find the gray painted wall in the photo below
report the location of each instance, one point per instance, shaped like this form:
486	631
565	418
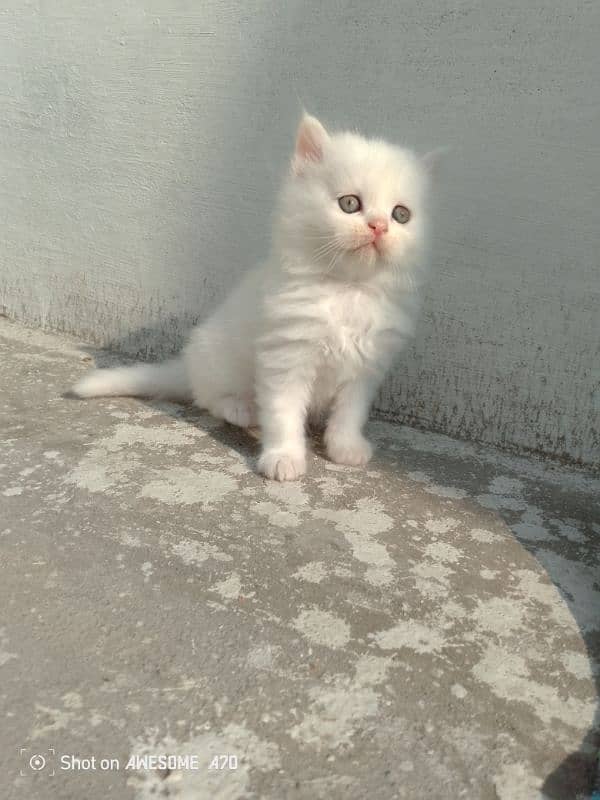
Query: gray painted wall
141	144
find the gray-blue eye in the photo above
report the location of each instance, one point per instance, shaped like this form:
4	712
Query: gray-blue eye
401	214
349	203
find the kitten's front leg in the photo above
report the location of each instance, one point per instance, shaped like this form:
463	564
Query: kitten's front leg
283	403
344	439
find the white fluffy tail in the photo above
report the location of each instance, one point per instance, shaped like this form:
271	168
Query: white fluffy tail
168	379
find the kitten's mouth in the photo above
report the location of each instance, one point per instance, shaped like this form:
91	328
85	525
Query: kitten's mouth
367	246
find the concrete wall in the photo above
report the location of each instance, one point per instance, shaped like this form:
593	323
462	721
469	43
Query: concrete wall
133	135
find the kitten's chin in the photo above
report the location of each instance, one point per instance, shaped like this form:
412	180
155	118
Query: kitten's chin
359	264
369	255
367	247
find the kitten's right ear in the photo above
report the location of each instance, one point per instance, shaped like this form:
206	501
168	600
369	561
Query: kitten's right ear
310	140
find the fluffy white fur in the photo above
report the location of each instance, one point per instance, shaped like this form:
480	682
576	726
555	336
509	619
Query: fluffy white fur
310	333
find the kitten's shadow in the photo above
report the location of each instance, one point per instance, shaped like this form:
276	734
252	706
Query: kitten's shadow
575	776
245	442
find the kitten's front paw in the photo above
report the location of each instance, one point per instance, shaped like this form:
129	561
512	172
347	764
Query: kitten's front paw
351	451
281	466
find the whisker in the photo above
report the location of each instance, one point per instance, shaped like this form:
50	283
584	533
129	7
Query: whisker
323	235
333	262
325	248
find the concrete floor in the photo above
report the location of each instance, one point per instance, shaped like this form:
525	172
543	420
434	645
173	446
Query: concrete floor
428	627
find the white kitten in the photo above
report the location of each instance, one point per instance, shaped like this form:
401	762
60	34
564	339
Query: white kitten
314	329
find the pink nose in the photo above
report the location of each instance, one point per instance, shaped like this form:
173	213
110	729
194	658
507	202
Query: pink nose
378	226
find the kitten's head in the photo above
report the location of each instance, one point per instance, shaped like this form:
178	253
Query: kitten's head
353	206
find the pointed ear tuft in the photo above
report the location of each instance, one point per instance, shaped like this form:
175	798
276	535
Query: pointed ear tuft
431	161
310	140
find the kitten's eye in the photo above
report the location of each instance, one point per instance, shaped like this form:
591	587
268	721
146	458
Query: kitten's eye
349	203
401	214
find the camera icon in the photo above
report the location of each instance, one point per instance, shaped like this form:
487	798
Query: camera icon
36	762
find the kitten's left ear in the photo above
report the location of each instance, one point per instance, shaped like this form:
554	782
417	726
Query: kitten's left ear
310	140
432	160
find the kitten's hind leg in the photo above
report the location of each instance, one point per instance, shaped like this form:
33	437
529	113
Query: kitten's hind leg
236	410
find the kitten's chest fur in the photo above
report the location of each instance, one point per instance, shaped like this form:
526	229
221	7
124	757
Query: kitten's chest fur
346	331
354	318
349	320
